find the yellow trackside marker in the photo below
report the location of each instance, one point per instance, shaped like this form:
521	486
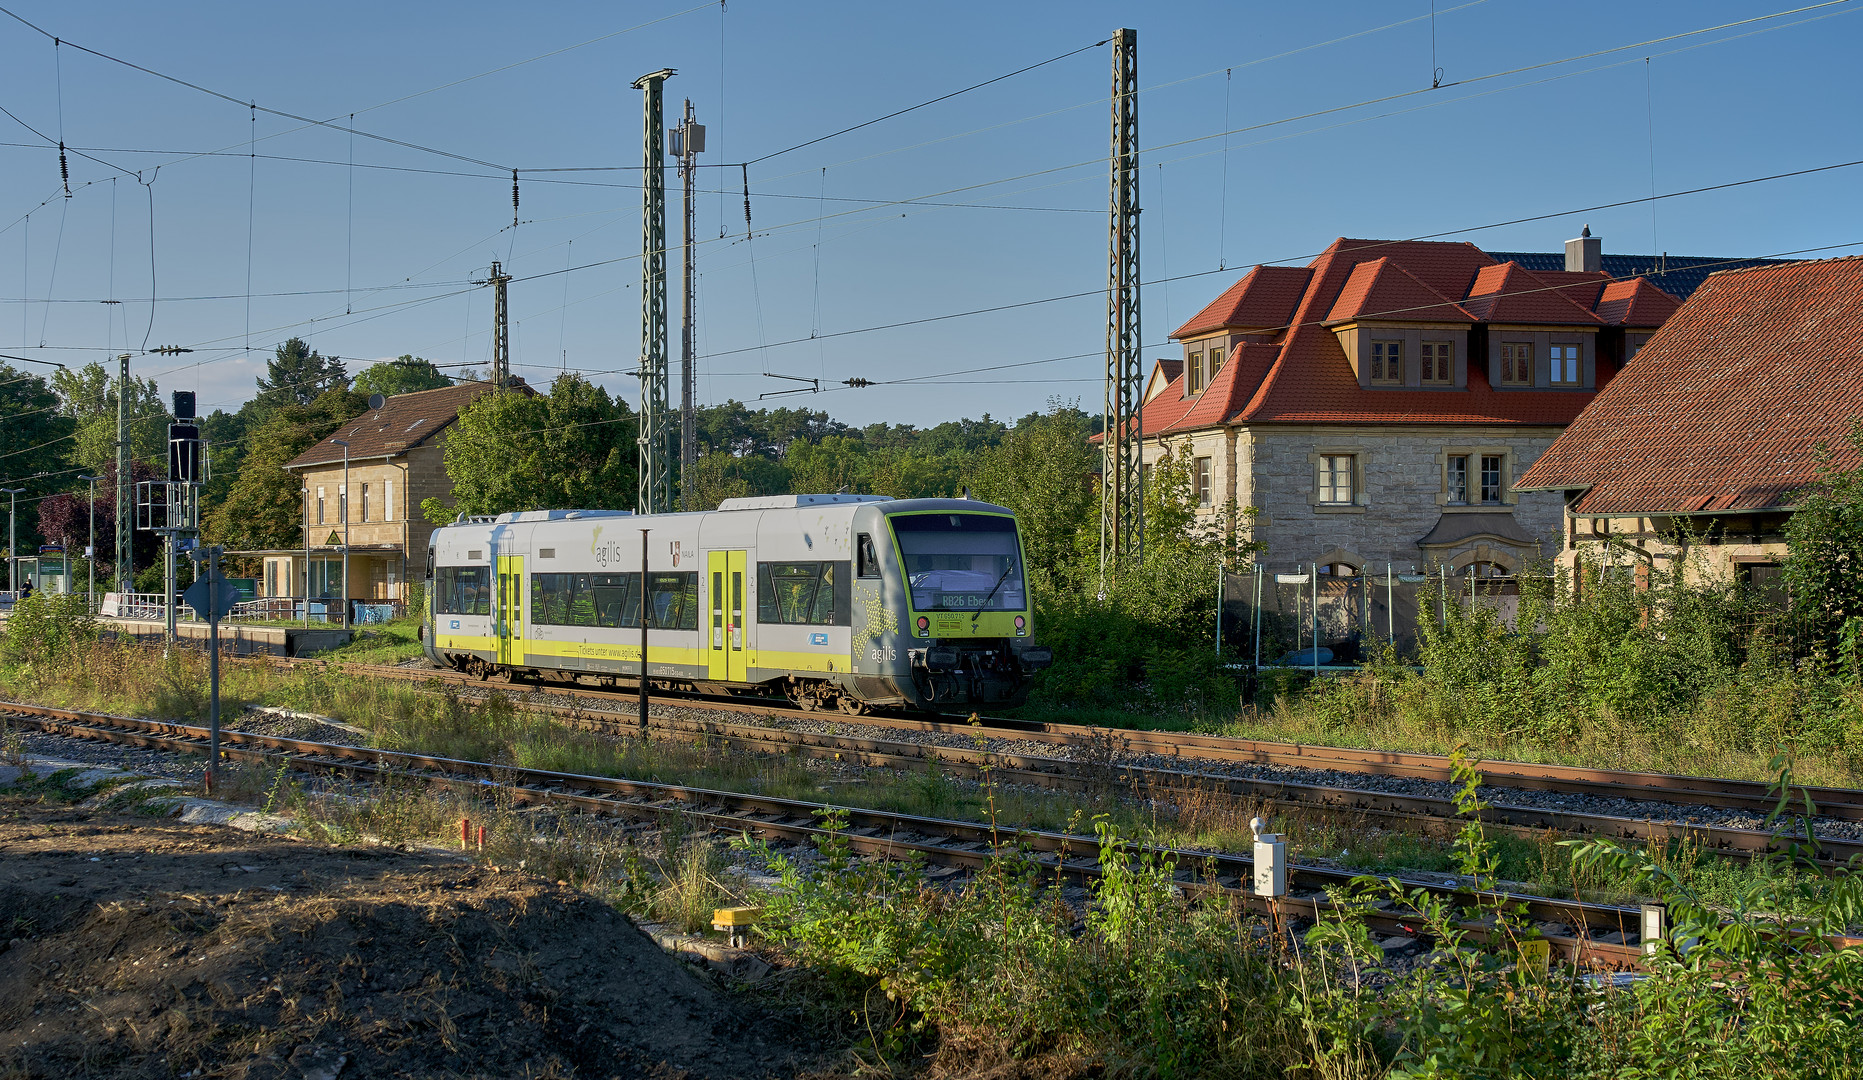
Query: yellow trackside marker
1536	955
735	922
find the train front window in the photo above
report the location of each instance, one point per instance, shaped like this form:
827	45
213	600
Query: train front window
961	562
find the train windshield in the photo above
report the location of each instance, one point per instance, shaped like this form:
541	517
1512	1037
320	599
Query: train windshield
961	562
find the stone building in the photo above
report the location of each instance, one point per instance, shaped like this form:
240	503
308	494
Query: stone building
1377	405
1706	441
396	460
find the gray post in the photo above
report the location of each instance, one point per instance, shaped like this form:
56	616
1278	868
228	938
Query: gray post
213	663
307	539
168	578
90	552
1219	609
12	556
1315	567
1259	578
643	632
1390	603
343	501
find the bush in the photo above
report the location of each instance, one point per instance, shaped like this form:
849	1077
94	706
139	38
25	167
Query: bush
43	627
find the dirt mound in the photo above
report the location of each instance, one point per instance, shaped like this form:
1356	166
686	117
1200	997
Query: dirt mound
143	948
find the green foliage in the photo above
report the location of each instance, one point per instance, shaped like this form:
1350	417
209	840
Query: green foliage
572	447
297	375
1824	569
406	374
88	396
1043	470
44	626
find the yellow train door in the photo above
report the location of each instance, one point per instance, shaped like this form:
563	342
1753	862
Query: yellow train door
510	620
725	586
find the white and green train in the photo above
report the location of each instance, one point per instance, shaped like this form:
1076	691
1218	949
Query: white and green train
833	601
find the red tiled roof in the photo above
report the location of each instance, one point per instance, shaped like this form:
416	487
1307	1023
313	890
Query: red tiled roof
1636	303
1228	391
402	423
1162	373
1311	382
1726	407
1383	290
1509	293
1264	299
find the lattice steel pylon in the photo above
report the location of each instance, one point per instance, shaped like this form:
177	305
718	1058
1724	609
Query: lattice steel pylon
656	430
501	329
1122	483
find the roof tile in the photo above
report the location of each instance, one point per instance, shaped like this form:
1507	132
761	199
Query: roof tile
1727	406
403	421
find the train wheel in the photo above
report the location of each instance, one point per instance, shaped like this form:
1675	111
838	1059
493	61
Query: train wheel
851	706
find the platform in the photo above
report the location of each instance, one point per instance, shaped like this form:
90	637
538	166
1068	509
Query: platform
243	640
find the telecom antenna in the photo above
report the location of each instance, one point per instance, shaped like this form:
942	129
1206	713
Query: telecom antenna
1122	484
501	329
688	144
656	479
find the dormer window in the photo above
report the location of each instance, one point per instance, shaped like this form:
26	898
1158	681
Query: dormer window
1193	373
1387	363
1438	363
1516	363
1567	365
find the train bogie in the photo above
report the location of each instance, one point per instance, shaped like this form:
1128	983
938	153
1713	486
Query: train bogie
834	601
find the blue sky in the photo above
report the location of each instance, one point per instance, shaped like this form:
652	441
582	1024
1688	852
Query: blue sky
850	232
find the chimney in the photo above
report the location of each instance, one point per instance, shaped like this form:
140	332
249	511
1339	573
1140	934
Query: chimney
1585	254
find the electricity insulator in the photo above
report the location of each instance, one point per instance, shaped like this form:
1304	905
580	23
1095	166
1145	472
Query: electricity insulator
64	169
856	382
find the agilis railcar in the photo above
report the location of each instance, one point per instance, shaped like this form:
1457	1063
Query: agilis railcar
833	601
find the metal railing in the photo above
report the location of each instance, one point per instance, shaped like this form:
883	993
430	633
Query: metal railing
276	609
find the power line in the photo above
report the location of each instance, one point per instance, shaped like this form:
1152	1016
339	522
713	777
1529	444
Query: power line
923	104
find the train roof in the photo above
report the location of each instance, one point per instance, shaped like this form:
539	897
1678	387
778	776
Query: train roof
758	502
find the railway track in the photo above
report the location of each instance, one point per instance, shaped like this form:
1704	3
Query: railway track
1844	804
939	842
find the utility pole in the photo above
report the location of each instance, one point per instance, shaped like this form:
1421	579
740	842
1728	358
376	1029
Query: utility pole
1122	490
656	486
125	515
501	335
688	144
90	550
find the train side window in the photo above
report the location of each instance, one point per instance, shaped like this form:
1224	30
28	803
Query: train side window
869	558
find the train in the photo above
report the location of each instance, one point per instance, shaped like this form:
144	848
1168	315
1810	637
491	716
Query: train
835	602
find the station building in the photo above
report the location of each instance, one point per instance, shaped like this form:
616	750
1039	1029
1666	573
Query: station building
1378	405
396	459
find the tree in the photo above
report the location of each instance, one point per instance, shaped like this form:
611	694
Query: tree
571	448
298	375
34	437
1823	569
264	507
89	395
1043	470
67	516
405	374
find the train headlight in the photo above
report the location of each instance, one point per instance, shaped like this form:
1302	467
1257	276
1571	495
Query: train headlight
1022	626
925	626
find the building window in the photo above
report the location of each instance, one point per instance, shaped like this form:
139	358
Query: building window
1336	479
342	505
320	506
1203	481
1193	373
1491	479
1516	363
1566	369
1217	356
365	502
1438	363
388	500
1339	569
1387	362
1458	480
